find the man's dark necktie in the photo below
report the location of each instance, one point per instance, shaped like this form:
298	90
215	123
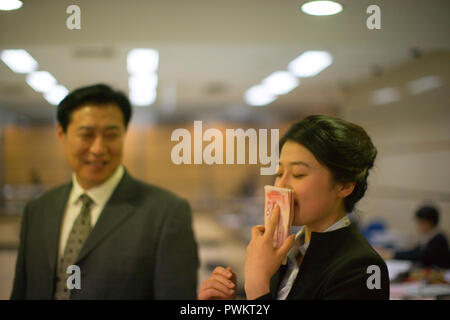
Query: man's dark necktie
80	231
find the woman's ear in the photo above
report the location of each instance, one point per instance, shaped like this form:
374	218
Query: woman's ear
345	188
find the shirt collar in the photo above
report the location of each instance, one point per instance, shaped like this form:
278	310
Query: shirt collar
99	194
299	243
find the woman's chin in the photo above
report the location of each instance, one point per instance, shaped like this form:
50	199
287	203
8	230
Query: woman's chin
297	220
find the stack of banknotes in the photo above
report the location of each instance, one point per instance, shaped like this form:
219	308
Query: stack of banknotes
285	200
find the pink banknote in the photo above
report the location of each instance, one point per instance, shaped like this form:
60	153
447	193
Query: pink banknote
285	200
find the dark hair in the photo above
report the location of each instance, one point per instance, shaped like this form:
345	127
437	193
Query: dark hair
428	213
99	94
343	147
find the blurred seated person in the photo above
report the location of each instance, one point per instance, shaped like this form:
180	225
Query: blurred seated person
432	249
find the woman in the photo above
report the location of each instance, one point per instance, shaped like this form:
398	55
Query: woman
326	161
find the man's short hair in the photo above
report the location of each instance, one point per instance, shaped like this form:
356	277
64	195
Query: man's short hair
428	213
99	94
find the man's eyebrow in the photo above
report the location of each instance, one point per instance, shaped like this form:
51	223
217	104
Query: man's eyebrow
85	128
112	127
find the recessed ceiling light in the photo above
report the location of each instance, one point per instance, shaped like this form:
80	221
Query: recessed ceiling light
143	82
8	5
280	82
41	81
385	96
141	98
19	61
424	84
142	61
310	63
143	89
258	96
321	8
56	94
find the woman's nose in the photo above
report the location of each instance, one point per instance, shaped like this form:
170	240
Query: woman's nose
283	182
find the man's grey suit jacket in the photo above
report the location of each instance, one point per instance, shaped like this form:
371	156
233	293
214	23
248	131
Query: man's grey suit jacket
142	246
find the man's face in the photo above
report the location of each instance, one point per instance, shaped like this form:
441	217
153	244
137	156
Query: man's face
424	226
93	142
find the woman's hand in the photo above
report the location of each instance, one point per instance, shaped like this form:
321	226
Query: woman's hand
262	260
221	285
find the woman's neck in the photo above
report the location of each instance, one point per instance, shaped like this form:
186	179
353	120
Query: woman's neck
323	224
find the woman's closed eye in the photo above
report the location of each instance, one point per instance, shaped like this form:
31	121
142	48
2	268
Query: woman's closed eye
296	176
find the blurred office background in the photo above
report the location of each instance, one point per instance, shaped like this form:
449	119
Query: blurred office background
392	81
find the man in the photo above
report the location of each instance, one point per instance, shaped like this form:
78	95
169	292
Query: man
128	239
432	249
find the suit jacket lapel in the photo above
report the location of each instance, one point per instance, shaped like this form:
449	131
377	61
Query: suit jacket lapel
275	280
53	216
116	210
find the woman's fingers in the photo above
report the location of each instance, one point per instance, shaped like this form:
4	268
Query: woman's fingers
224	281
230	270
221	284
273	221
213	287
227	273
286	246
257	231
212	293
233	275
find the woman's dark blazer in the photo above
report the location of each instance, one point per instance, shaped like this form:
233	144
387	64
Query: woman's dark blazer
338	264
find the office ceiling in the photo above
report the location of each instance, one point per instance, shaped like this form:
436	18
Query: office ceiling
212	51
